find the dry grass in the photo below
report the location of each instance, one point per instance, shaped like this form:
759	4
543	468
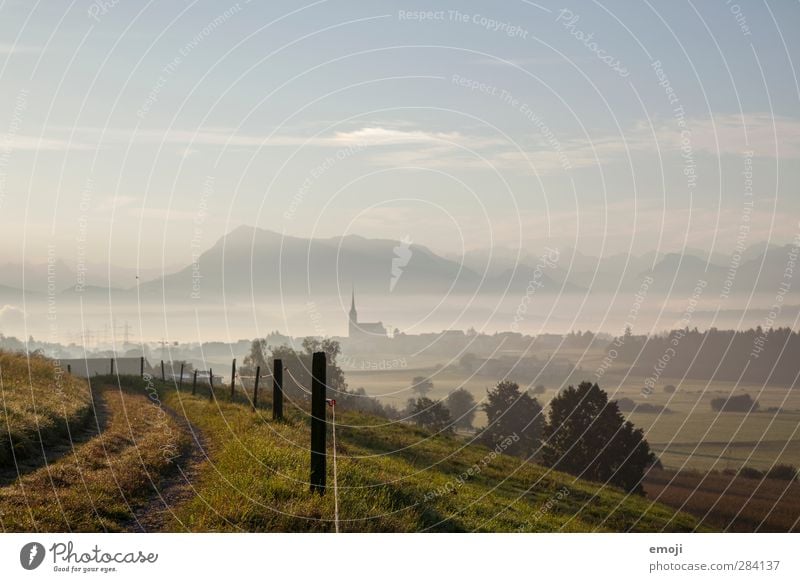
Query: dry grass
39	405
729	502
95	486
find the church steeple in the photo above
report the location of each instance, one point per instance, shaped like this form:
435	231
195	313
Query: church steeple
353	327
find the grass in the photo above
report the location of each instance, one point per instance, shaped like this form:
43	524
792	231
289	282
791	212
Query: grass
39	405
728	501
97	485
392	477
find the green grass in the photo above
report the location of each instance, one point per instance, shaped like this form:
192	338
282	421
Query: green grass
39	405
390	479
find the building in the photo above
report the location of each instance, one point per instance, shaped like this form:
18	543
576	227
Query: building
363	330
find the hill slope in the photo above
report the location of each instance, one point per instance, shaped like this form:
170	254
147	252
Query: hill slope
391	477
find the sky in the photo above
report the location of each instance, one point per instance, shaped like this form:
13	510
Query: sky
136	133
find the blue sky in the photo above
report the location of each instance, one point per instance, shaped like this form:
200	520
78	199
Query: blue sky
133	132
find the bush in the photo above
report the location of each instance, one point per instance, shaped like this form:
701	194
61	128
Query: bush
782	472
669	389
750	473
628	405
540	389
743	403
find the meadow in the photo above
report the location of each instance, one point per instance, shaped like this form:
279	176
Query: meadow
39	405
391	477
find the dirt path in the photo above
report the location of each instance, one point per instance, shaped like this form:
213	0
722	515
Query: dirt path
117	478
174	488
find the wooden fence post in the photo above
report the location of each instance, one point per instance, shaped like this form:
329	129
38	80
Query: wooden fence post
318	453
180	382
69	368
233	378
163	375
194	383
210	384
112	366
141	366
255	387
277	390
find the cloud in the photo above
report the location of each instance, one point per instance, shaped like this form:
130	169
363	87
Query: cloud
12	49
726	134
14	142
766	135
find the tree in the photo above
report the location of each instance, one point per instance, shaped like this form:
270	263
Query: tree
587	436
468	361
259	351
421	386
539	389
461	405
297	365
432	414
510	412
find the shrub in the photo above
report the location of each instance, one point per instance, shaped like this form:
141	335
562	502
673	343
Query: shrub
751	473
669	389
782	472
742	403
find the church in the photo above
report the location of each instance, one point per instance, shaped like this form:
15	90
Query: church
363	330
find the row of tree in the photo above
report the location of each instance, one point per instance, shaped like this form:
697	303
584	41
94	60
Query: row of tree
753	355
583	432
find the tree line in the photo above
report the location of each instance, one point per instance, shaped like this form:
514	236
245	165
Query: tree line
753	355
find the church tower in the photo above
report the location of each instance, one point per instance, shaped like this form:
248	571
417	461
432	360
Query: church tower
353	328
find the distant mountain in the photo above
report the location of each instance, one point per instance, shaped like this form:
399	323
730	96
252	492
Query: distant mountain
253	260
258	262
33	277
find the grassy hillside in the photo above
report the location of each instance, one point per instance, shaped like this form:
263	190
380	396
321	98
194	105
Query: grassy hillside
39	405
391	478
100	484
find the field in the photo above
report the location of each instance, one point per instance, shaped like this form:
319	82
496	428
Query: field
39	405
690	436
729	502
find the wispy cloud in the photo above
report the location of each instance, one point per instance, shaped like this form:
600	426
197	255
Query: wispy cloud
398	144
11	49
